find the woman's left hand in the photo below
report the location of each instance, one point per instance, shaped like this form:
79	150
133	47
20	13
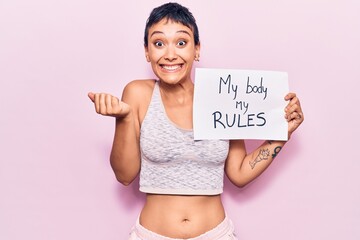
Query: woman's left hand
293	112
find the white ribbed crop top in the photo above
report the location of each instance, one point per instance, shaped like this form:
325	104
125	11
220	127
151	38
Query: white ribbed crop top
172	162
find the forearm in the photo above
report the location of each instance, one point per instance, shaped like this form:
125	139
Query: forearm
242	168
259	160
125	153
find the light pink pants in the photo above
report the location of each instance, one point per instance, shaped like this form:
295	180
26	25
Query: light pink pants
223	231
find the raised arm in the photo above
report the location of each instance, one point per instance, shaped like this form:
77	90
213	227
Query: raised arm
125	153
242	168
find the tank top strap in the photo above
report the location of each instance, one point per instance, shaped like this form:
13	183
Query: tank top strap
156	97
155	109
156	91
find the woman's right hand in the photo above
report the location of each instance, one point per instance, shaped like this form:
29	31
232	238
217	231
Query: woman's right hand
108	105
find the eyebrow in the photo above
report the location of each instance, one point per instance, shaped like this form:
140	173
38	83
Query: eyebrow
180	31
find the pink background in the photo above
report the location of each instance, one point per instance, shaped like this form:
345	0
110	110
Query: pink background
55	179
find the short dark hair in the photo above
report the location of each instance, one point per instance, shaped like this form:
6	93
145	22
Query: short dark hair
174	12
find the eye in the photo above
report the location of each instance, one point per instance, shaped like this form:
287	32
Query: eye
159	44
182	43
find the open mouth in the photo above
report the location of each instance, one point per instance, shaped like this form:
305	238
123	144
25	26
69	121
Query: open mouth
171	68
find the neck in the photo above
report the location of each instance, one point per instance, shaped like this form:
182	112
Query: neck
180	93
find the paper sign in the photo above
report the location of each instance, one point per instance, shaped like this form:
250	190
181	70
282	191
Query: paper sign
240	104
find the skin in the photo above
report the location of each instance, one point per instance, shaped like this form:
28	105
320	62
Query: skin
171	53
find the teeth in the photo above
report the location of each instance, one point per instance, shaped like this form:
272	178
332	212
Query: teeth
171	68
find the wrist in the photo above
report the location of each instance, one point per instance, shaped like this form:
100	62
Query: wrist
127	118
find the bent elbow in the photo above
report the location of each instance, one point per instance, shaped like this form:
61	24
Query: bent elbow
240	183
123	181
125	170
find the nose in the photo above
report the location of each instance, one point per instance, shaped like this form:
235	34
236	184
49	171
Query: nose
170	53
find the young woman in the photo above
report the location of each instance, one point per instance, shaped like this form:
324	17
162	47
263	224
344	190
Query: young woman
183	179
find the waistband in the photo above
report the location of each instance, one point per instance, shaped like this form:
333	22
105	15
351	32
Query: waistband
225	230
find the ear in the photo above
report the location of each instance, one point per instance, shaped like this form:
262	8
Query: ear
147	53
197	52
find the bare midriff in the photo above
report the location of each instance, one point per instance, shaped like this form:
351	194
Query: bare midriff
183	217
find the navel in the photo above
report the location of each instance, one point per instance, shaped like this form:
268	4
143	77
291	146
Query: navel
185	220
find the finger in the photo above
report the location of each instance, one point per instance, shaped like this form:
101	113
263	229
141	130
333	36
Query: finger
290	110
298	116
102	104
290	96
115	103
295	115
91	96
108	105
97	103
293	101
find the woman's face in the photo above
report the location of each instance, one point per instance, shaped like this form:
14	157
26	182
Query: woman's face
171	51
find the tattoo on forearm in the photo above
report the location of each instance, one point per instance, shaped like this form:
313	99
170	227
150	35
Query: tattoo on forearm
263	155
276	151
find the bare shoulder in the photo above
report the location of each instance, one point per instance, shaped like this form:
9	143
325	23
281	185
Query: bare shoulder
139	86
138	90
137	94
